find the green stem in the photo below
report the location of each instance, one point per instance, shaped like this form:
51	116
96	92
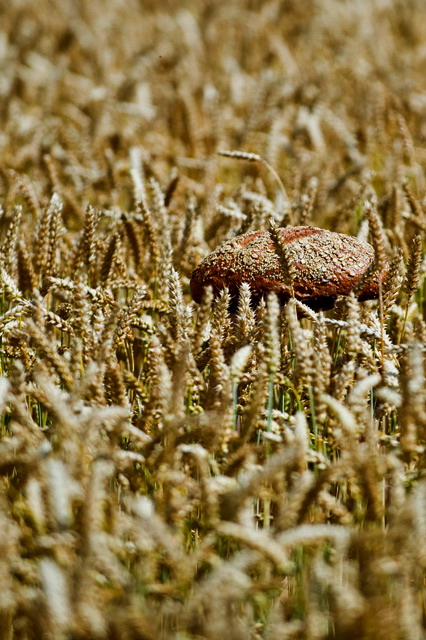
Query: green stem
313	414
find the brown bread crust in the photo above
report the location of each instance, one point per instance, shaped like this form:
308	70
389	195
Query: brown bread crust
327	265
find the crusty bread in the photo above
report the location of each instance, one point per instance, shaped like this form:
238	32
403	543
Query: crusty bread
327	265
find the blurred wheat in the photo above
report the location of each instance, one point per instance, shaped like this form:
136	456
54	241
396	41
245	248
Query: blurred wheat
176	471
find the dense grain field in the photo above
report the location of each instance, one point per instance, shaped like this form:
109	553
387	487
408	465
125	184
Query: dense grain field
180	471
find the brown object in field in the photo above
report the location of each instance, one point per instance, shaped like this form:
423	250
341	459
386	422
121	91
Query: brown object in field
326	265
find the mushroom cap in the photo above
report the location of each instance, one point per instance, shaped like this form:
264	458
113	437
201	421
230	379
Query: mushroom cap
327	265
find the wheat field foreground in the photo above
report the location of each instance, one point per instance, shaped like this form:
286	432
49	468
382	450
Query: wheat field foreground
230	469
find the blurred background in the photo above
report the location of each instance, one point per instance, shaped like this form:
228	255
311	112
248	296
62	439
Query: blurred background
320	88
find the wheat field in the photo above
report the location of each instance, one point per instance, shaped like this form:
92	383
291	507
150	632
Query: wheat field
180	471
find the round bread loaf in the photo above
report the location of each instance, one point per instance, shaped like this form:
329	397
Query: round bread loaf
327	265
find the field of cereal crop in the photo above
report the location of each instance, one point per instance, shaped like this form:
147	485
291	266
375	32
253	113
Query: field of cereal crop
237	468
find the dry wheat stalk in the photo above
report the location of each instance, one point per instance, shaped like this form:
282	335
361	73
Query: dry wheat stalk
254	471
288	268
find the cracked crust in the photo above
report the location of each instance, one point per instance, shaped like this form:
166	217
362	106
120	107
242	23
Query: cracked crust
328	265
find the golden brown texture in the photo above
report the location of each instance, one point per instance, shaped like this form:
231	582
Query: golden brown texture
169	471
327	265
